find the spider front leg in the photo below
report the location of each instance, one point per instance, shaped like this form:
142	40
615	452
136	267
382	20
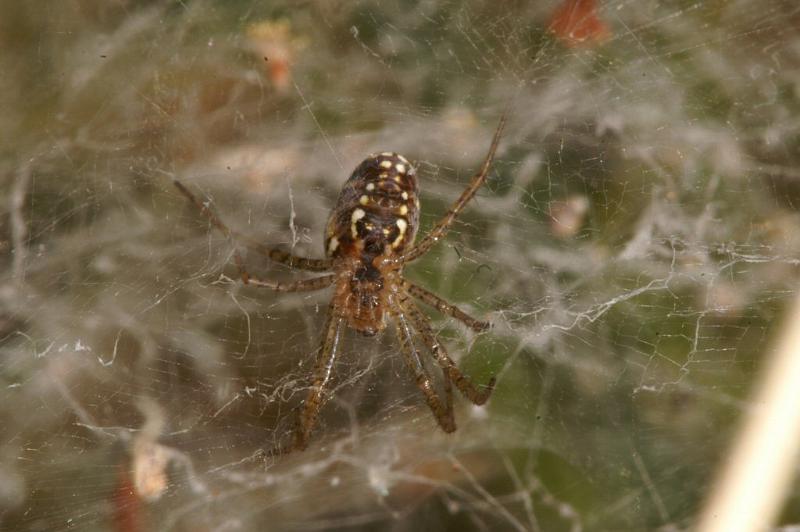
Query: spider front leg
274	254
464	385
329	347
431	299
440	229
442	412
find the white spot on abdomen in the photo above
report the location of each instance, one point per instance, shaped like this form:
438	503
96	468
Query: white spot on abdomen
332	245
357	215
402	225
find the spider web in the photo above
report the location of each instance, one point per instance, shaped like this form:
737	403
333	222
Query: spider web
634	247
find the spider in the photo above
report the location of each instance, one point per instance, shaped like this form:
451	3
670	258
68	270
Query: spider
369	239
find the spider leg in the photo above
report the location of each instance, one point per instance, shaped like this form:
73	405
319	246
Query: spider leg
431	299
274	254
440	229
448	398
304	285
442	412
329	347
464	385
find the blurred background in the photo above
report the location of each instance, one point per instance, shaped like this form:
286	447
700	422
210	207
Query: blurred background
635	249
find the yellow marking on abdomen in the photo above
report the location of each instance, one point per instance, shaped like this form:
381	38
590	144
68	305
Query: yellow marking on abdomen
402	225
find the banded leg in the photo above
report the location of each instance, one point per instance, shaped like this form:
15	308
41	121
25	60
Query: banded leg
274	254
303	285
441	228
464	385
442	412
326	356
431	299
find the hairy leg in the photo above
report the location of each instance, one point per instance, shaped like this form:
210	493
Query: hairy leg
440	229
431	299
304	285
326	356
276	255
464	385
442	412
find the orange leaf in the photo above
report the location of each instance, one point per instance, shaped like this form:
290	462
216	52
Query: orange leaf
576	23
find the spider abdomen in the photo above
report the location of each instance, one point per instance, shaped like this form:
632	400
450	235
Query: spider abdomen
375	218
377	212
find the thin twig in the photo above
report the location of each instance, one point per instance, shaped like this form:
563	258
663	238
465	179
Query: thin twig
758	472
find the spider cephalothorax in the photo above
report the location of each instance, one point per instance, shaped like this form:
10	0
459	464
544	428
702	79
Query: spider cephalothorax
369	238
